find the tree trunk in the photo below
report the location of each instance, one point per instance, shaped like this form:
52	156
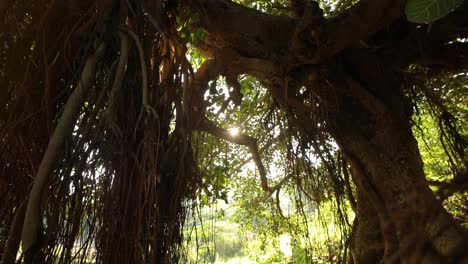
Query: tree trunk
365	241
372	128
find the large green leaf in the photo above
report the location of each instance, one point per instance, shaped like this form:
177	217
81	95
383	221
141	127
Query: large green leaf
425	11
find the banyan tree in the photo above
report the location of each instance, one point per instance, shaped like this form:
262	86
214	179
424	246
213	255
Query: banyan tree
100	103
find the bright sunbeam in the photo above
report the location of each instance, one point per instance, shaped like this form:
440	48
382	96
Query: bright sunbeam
234	131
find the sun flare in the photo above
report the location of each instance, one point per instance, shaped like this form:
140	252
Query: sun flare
234	131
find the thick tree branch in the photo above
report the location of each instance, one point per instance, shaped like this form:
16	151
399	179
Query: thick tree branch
262	149
451	56
427	45
259	35
420	49
358	23
247	31
241	139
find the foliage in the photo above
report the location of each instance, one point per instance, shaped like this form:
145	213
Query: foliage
426	11
212	236
277	7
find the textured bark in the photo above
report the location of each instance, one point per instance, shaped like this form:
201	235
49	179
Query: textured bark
381	141
366	242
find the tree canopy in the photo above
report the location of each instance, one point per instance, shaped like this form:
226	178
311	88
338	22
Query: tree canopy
119	120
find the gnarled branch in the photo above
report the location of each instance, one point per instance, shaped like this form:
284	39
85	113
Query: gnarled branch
241	139
245	140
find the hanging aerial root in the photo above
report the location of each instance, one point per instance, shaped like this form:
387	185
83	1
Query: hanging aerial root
33	219
118	80
12	245
144	74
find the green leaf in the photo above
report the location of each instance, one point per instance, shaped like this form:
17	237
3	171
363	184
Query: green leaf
199	34
426	11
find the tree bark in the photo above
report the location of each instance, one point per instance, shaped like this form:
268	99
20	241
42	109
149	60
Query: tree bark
366	244
380	141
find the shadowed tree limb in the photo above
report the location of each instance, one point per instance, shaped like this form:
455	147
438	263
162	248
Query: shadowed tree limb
451	56
270	35
358	23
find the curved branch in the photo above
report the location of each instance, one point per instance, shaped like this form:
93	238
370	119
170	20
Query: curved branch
245	140
64	128
451	56
241	139
275	188
278	206
358	23
259	35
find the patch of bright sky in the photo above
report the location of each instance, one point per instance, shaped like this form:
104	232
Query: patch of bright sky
234	131
93	174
